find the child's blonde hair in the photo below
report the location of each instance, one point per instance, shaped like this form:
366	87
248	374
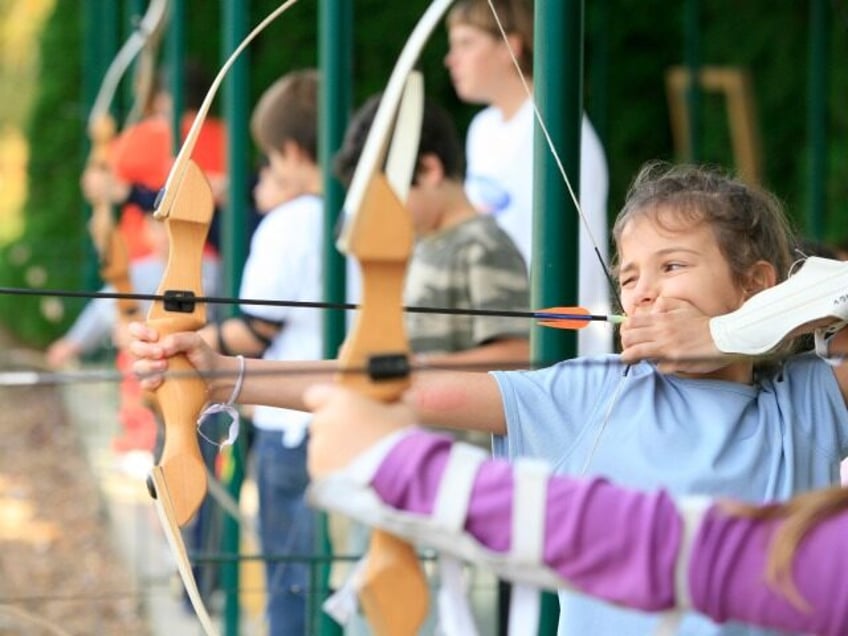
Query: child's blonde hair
516	17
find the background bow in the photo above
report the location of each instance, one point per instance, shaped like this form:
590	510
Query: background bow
378	233
178	481
111	249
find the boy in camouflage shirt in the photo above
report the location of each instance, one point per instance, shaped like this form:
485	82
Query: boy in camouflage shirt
462	259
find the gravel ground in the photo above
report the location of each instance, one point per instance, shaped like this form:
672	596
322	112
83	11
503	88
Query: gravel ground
59	572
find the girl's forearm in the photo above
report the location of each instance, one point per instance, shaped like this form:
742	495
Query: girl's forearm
463	401
727	574
274	383
615	544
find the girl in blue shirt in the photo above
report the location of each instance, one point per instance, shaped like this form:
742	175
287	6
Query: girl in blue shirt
671	410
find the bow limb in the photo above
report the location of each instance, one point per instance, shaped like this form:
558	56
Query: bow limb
110	247
149	25
378	233
144	85
178	169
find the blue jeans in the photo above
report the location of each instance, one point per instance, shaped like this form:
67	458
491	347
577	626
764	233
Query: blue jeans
286	529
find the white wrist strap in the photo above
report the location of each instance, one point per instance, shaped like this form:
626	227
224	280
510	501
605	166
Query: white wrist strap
528	540
228	408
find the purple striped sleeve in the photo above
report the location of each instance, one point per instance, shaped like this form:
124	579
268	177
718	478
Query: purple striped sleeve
612	543
621	545
727	575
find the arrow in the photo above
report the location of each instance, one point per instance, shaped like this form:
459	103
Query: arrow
573	317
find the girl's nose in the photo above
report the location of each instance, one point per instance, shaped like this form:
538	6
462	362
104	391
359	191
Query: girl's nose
645	292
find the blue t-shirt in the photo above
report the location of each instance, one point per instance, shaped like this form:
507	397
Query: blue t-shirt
649	430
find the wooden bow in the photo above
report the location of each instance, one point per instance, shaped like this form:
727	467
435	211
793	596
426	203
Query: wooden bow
378	233
109	245
178	481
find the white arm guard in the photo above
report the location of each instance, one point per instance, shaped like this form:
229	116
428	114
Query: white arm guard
348	492
819	290
691	509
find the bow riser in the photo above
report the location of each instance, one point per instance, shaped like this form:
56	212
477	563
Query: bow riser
182	396
378	233
393	593
381	242
110	246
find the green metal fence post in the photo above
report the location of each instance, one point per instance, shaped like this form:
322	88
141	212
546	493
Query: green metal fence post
335	59
558	81
234	27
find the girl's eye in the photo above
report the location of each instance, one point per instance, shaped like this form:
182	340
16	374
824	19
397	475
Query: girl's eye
672	267
625	282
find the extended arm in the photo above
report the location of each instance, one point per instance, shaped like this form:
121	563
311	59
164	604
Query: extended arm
446	398
616	544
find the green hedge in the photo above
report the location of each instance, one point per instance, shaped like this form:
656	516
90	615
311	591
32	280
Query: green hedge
51	252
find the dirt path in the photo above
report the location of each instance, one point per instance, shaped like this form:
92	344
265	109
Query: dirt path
59	573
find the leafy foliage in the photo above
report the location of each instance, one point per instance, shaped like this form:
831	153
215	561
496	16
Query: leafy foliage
51	253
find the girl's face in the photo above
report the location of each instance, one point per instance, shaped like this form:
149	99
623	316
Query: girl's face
476	61
674	259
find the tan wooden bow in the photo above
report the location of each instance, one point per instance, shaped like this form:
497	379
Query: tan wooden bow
110	247
378	233
178	482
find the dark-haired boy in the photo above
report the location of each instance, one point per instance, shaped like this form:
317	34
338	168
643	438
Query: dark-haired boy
284	263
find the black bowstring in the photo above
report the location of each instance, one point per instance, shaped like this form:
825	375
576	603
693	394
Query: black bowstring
27	377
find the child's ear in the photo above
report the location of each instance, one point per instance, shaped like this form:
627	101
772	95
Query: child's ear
292	151
430	170
516	44
761	275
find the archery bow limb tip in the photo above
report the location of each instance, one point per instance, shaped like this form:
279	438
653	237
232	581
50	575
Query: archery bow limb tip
387	572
